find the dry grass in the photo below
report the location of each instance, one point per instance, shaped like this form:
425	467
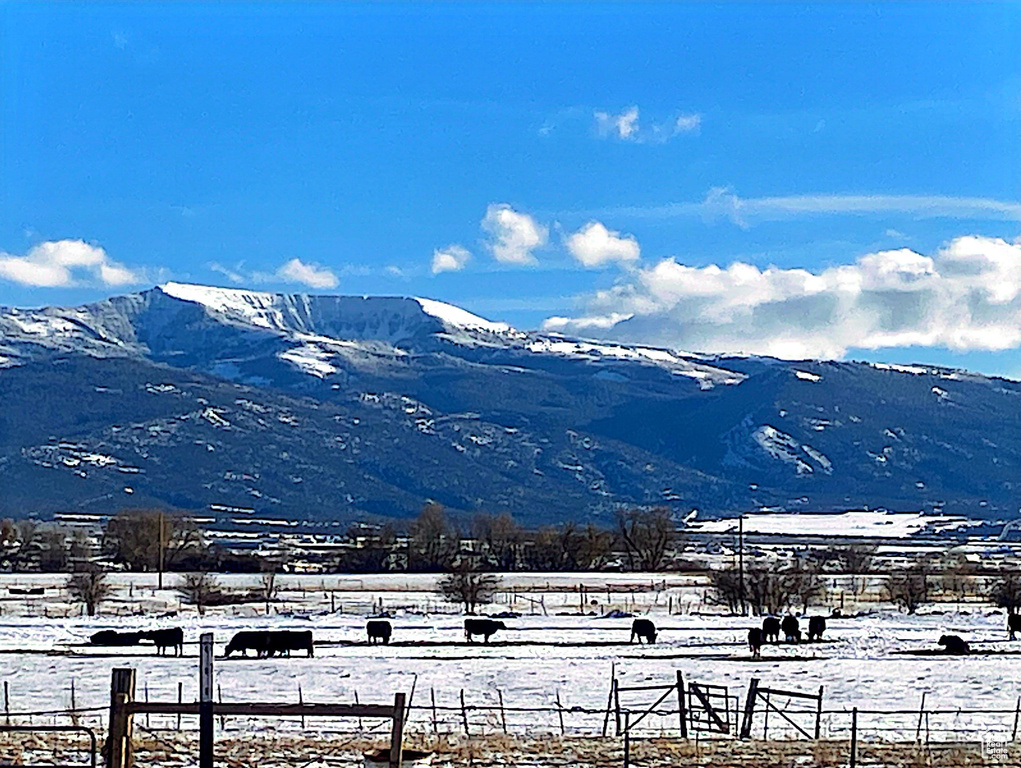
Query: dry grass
268	750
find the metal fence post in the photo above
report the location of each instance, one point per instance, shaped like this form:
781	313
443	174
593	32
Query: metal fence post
749	708
854	737
206	700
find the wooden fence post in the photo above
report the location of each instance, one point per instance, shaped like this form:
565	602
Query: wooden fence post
432	695
118	741
818	714
560	714
205	701
921	716
397	733
749	708
503	712
681	709
464	714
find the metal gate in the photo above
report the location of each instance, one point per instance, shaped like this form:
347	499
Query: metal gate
90	752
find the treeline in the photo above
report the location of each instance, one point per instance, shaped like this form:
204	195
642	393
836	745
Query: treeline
147	540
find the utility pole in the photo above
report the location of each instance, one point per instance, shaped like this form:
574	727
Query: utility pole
162	550
740	563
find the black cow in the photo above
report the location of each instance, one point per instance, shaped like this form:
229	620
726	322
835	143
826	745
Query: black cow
953	644
110	637
755	641
791	629
816	626
379	630
643	629
166	638
1014	624
771	629
484	627
284	642
248	641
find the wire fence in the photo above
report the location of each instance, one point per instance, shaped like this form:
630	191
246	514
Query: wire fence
481	715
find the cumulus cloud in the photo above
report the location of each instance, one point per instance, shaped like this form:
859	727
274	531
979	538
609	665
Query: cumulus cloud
965	296
450	259
513	235
64	263
625	126
312	275
596	246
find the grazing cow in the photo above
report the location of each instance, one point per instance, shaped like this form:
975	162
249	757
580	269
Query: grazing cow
111	638
1014	624
283	643
755	641
166	638
643	629
791	629
379	630
816	626
771	629
954	645
484	627
248	641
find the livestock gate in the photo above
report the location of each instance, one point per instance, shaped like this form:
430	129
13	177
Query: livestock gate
700	708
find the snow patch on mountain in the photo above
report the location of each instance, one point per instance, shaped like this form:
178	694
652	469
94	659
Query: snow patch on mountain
779	445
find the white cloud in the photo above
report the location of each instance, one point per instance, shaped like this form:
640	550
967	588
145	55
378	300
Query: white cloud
514	235
450	259
627	127
723	203
595	246
64	263
688	123
966	296
622	126
312	275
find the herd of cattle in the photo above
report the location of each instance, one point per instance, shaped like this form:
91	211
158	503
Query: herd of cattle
267	643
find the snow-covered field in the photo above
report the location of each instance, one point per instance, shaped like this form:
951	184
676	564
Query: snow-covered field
538	656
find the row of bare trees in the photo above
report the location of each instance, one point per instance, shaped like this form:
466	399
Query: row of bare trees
641	540
775	588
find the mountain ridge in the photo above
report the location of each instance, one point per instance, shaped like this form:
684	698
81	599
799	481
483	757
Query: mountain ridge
376	404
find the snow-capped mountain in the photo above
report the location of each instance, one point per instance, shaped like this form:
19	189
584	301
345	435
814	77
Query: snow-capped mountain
290	405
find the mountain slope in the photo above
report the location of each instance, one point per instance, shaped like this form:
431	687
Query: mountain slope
320	407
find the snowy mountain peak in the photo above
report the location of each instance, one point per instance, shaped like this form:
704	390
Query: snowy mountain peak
377	318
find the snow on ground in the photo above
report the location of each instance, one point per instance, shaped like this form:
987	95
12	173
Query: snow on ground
537	656
892	525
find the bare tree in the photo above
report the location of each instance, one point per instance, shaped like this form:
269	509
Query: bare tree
727	586
19	542
89	587
908	588
857	560
501	538
1005	592
804	581
768	590
646	536
468	586
133	537
53	554
433	540
268	588
199	589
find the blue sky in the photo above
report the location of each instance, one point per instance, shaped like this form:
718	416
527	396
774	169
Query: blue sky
859	164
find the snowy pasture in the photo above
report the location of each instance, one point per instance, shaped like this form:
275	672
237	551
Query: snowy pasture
860	663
